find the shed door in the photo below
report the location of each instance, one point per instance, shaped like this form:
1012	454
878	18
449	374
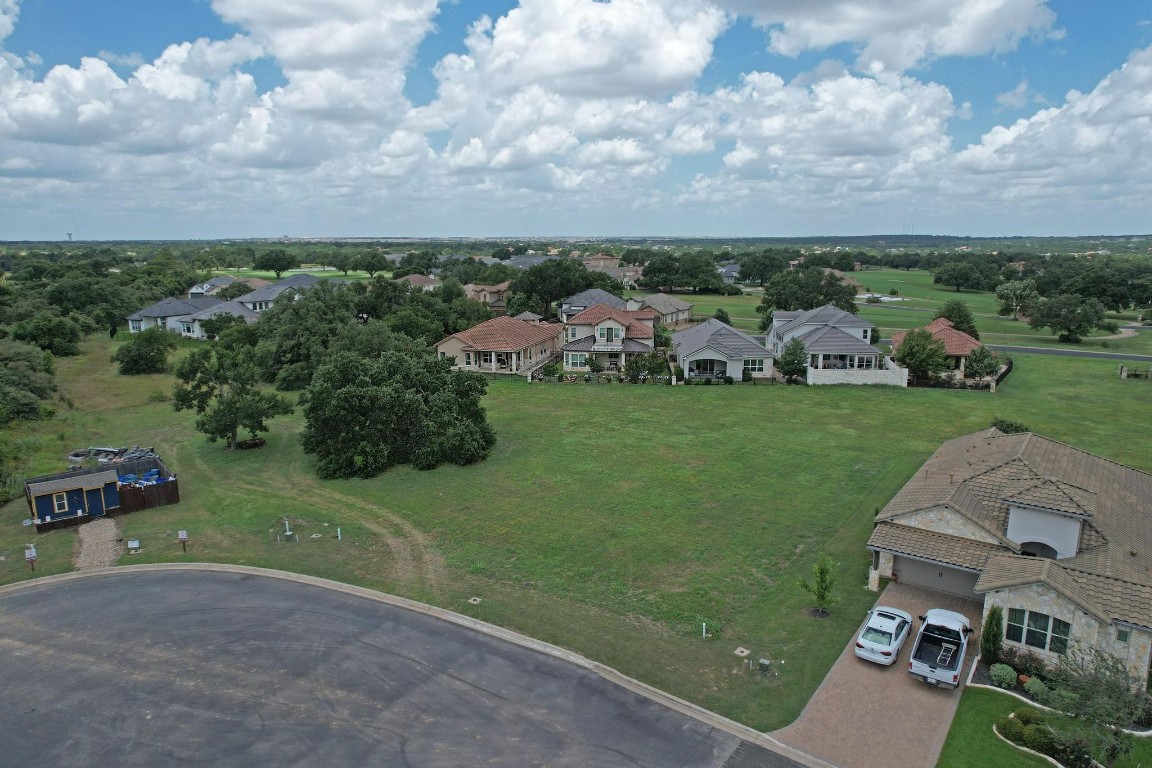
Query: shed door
935	576
75	503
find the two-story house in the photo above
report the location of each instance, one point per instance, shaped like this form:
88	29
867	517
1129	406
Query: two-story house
609	334
1057	537
838	346
577	303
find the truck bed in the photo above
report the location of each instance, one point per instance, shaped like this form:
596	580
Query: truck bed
938	652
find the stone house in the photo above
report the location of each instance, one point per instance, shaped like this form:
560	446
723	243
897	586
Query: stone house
1055	536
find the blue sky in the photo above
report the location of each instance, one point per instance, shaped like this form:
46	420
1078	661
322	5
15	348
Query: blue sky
234	118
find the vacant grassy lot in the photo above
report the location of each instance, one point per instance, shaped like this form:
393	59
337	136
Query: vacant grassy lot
610	519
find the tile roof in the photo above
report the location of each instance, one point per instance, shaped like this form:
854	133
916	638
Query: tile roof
172	307
981	474
719	336
937	547
956	342
526	315
299	280
421	280
505	334
631	319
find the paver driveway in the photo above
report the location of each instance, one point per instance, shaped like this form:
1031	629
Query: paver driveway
868	716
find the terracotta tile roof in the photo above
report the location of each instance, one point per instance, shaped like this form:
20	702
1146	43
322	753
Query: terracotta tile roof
930	545
631	319
505	334
956	343
1056	496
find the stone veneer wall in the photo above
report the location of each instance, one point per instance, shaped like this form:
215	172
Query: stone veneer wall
944	520
1086	629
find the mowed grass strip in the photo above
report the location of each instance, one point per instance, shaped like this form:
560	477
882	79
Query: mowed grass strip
610	519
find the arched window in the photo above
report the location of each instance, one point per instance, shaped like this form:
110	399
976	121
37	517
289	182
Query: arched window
1037	549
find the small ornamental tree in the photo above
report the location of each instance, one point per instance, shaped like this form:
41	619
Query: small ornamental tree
721	314
992	635
145	352
822	584
595	366
922	354
793	361
982	363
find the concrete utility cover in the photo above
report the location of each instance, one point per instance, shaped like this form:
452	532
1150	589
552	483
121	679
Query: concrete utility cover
222	669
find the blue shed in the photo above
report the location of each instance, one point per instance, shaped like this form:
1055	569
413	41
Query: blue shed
72	497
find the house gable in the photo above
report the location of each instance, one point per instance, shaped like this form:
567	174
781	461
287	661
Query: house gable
943	519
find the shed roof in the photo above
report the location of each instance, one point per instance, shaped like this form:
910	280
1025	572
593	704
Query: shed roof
85	482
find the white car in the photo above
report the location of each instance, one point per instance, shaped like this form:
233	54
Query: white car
883	635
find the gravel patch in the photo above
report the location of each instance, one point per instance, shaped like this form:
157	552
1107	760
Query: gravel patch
98	545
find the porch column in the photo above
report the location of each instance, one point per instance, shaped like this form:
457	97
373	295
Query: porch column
493	362
963	359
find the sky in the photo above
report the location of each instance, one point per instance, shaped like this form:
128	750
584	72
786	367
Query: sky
183	119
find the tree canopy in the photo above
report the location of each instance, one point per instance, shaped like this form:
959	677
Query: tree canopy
981	363
145	352
958	274
1016	297
1072	317
277	260
221	386
364	416
957	312
805	289
555	279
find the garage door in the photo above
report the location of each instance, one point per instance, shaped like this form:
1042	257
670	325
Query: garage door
935	576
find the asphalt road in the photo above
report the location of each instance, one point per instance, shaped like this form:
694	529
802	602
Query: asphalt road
180	668
1062	352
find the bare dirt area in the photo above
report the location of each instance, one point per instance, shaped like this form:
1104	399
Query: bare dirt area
97	545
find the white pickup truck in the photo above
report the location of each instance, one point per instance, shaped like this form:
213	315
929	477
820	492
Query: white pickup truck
940	646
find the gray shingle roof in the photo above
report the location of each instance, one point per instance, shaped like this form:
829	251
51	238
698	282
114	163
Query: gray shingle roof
86	482
830	340
591	298
233	307
665	304
173	307
719	336
826	315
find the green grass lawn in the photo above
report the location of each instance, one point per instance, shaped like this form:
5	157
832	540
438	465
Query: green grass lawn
610	519
972	744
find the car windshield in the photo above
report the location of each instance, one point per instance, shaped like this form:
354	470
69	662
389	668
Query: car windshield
878	636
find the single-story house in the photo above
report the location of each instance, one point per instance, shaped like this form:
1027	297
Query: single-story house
1056	536
608	334
501	345
716	349
577	303
71	498
191	326
423	282
838	347
169	313
957	344
669	309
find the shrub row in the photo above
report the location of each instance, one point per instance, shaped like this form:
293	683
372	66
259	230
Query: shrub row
1029	729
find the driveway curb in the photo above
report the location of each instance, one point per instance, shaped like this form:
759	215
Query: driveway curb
608	673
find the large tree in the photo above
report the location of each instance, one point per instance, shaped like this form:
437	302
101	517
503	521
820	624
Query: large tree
221	386
956	311
958	274
1070	316
50	331
759	267
276	260
922	354
366	415
145	352
698	272
557	278
1016	297
805	289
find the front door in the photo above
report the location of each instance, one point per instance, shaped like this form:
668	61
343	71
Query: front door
75	503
